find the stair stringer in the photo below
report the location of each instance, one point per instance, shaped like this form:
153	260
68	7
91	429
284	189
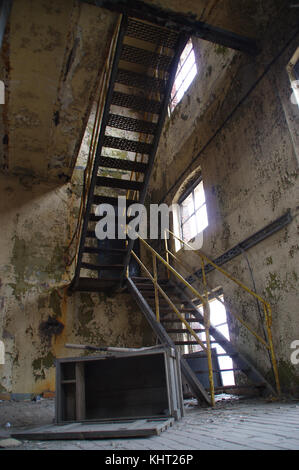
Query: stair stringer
247	368
198	389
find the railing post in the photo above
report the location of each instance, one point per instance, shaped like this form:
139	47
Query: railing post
166	251
156	287
268	317
207	323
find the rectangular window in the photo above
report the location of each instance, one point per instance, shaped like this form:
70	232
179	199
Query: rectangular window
219	321
185	74
193	212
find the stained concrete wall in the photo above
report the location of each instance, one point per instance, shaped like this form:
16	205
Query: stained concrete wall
38	316
248	158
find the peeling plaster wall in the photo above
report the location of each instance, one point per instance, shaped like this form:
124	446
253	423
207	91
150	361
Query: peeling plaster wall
37	315
54	54
250	175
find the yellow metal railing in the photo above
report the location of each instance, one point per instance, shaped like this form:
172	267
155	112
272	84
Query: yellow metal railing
266	306
203	298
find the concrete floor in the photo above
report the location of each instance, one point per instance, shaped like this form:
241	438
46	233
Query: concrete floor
234	424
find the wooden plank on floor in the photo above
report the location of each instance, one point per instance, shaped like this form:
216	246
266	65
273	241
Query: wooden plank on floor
96	430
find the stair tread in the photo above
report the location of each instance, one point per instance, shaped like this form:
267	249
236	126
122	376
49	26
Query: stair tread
98	267
96	218
152	33
129	124
91	249
141	81
135	102
126	144
121	164
139	56
184	331
110	200
119	183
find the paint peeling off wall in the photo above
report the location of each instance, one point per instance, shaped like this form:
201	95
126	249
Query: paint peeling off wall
247	152
37	314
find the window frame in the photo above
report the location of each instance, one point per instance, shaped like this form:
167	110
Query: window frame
181	64
183	197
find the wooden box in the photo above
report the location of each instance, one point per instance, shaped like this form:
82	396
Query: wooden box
145	384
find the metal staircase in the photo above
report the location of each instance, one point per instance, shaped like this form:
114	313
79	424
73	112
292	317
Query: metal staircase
175	331
145	62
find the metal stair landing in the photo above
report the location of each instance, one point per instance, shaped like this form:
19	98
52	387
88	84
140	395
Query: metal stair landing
143	71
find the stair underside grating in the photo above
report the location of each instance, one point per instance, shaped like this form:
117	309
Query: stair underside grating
136	80
128	145
137	103
130	124
119	183
121	164
146	58
151	33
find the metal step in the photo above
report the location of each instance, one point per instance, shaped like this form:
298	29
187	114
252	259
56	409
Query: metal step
121	164
86	284
113	201
138	103
186	343
129	124
184	331
97	218
102	267
141	81
241	362
96	250
177	320
189	375
119	183
146	58
152	33
128	145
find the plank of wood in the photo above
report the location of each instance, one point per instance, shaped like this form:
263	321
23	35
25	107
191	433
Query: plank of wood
80	391
110	430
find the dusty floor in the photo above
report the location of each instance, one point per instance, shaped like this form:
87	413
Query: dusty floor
251	423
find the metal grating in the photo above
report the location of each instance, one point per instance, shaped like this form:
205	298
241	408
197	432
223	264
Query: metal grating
121	164
151	33
128	145
119	183
146	58
137	103
130	124
137	80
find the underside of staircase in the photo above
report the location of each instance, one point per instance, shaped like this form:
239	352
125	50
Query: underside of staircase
142	76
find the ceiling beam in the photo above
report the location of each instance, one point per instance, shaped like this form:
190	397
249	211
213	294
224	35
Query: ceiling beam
185	23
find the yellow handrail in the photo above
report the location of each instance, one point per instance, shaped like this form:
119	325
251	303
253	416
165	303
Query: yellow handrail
203	299
266	305
189	271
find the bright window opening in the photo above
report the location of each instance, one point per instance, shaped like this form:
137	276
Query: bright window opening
185	74
293	71
193	212
219	321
